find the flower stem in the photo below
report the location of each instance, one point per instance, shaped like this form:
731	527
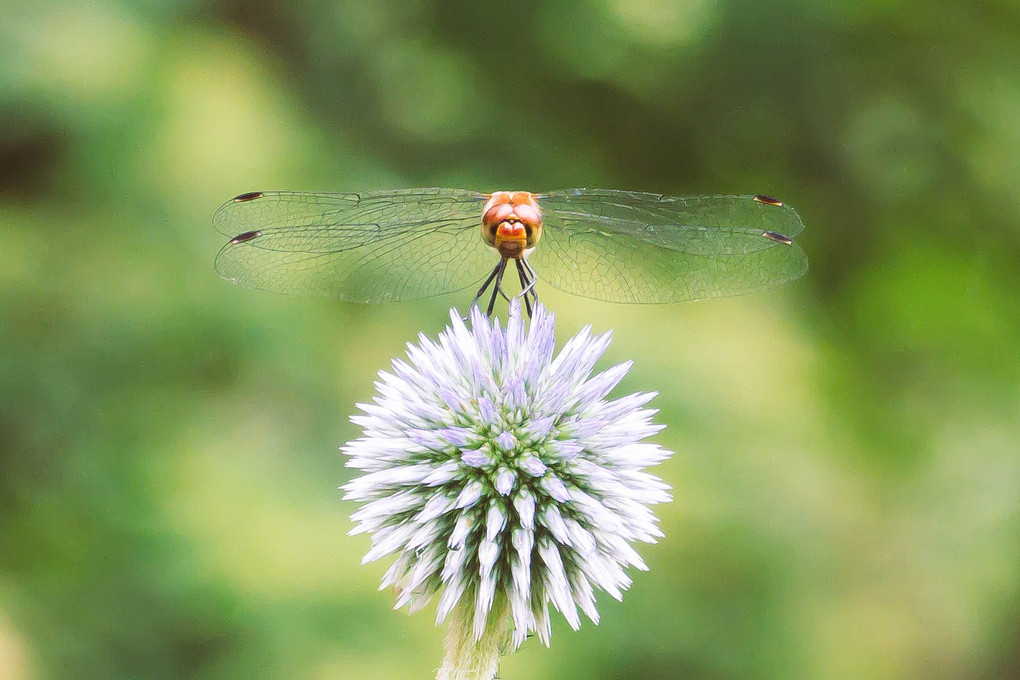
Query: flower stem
470	659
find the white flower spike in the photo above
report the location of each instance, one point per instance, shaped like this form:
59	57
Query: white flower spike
503	480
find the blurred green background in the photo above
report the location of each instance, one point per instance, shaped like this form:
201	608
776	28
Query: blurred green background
847	473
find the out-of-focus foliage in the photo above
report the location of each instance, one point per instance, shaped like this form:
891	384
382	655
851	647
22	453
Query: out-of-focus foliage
847	474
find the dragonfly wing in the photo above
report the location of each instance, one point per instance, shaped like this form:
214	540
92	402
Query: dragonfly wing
634	210
371	247
636	247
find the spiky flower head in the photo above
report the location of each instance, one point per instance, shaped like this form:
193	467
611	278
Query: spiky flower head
502	478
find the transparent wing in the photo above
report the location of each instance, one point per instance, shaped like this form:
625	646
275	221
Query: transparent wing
623	246
368	247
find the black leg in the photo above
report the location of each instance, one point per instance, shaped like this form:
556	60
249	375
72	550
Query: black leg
488	280
526	285
496	290
532	281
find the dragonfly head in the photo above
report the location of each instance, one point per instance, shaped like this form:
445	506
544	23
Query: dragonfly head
511	222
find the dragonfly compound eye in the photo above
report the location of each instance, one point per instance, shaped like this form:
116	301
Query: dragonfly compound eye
497	213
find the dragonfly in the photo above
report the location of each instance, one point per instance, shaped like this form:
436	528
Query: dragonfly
408	244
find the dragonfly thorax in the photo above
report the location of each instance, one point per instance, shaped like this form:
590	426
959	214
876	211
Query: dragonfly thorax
511	222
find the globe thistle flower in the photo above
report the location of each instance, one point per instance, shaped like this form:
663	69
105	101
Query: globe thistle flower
503	480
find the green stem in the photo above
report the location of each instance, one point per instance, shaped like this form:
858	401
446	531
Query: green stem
470	659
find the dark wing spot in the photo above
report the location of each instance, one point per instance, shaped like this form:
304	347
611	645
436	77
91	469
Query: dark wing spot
246	236
761	198
785	240
250	196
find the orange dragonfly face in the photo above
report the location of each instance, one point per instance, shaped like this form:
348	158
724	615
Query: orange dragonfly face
618	246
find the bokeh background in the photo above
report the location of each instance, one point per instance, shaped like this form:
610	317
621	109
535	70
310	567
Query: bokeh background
847	472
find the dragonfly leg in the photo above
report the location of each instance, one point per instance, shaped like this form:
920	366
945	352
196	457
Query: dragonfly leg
527	284
488	280
534	280
496	290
